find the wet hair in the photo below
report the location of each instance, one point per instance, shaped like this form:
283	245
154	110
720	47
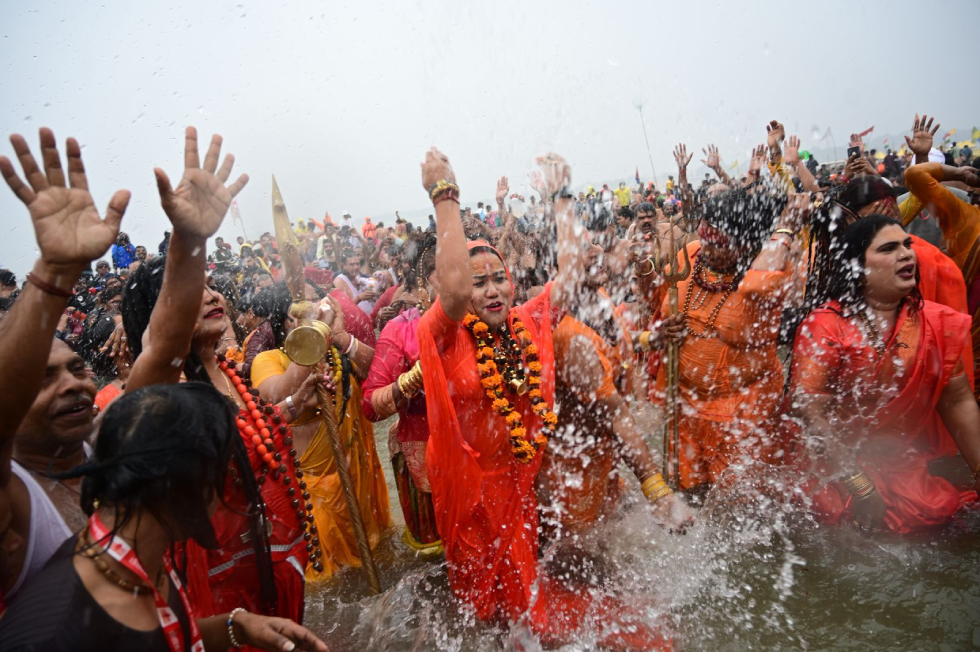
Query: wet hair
646	207
272	303
163	449
108	294
139	298
747	215
7	278
862	191
847	278
225	285
420	252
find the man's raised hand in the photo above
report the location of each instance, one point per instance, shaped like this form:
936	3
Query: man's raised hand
922	135
711	158
69	231
682	157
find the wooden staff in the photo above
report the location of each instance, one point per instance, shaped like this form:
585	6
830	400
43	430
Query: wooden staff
343	470
667	267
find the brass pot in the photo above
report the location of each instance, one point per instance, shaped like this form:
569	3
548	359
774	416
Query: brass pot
308	345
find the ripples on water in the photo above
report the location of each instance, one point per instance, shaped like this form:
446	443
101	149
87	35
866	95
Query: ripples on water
751	575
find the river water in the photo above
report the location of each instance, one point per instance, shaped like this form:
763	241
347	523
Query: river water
750	575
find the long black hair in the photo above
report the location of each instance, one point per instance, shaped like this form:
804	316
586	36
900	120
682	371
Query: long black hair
847	276
163	449
139	299
273	303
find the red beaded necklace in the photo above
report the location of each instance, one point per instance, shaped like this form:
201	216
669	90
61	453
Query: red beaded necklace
262	425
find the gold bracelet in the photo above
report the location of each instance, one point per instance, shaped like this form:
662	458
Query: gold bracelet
788	232
645	340
652	267
653	484
664	491
441	186
859	486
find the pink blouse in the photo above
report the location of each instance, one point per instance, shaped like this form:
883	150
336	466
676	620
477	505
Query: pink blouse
397	350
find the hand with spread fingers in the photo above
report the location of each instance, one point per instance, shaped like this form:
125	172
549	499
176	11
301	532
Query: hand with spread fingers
791	155
199	203
711	158
502	189
682	157
757	162
923	133
69	231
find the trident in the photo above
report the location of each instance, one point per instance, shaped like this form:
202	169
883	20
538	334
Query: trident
666	264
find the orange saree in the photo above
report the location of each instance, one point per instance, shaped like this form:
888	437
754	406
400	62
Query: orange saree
885	407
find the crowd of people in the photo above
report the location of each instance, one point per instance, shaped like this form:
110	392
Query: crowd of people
171	477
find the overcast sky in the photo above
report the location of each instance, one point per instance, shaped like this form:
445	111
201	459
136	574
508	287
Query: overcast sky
341	100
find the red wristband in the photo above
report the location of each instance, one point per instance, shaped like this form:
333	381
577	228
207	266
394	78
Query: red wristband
46	287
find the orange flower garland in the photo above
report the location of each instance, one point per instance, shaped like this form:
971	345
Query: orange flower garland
493	385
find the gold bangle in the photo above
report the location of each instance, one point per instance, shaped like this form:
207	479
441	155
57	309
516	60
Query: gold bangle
788	232
645	340
652	267
664	491
653	484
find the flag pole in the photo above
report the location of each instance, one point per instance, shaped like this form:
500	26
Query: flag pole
644	125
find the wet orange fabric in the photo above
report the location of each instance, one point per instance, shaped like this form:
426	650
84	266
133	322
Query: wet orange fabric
886	408
597	485
960	223
941	281
483	497
330	512
731	381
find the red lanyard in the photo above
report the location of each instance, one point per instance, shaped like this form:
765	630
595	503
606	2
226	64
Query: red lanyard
121	552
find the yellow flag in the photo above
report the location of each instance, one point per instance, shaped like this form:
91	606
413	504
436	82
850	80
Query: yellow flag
976	134
733	165
952	132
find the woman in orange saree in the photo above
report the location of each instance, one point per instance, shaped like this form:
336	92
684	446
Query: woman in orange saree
877	372
483	456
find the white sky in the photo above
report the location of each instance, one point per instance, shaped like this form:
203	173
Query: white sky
341	100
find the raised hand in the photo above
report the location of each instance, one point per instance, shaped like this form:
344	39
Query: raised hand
711	159
436	168
922	135
757	161
791	154
200	201
682	157
537	183
556	173
502	189
69	231
775	133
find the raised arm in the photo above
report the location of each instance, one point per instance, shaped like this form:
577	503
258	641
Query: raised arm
195	208
791	157
573	238
683	158
453	273
70	235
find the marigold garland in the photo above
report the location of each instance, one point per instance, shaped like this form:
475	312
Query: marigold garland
493	385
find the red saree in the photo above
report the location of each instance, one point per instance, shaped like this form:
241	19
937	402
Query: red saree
886	408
